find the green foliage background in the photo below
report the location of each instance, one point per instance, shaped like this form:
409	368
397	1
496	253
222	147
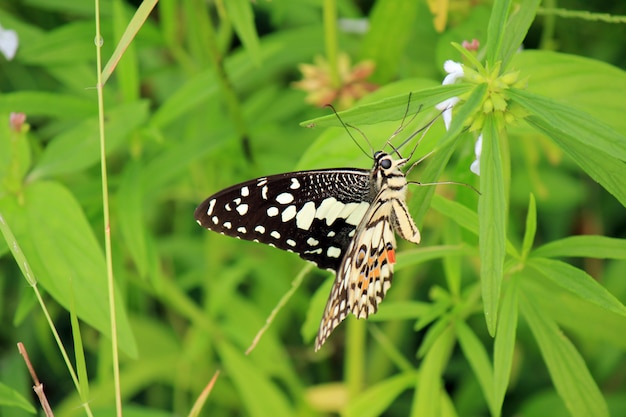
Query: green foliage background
511	305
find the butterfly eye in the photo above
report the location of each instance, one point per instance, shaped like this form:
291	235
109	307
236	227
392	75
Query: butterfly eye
385	163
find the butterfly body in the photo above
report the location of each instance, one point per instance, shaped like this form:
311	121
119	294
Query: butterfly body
340	219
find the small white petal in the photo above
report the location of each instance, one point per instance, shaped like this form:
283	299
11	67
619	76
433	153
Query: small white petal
478	148
451	66
454	70
446	108
358	26
8	42
475	167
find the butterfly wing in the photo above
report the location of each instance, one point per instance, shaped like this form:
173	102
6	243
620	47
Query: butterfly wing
365	273
311	213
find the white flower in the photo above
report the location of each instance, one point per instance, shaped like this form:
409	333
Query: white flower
8	42
445	107
478	148
455	71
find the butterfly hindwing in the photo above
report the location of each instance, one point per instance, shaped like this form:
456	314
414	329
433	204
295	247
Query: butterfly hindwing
365	273
312	213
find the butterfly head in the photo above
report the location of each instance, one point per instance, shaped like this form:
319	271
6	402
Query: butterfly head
386	165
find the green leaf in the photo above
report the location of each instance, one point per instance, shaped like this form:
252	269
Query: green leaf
531	227
417	256
587	246
457	212
575	313
568	370
495	30
260	396
241	15
78	148
504	344
64	255
589	85
11	398
316	309
127	72
521	17
569	126
71	43
464	217
476	355
400	310
429	381
492	214
131	215
391	108
376	399
43	103
578	282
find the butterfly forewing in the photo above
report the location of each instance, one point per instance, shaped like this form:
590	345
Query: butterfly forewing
311	213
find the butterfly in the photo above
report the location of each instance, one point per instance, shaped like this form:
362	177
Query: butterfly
342	219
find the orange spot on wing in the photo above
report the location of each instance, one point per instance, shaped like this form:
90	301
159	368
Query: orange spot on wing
391	256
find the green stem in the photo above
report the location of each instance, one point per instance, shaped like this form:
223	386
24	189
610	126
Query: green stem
106	215
230	95
331	41
355	356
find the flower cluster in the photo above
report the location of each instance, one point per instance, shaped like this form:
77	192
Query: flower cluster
496	100
317	81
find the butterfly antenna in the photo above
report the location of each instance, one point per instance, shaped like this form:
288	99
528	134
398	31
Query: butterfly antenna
419	161
400	128
423	130
347	126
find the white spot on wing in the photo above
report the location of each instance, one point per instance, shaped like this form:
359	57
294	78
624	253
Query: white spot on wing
264	192
329	210
331	233
333	252
312	241
242	209
275	234
214	219
245	191
305	216
241	229
272	211
295	184
288	213
262	182
209	210
260	229
228	225
291	242
284	198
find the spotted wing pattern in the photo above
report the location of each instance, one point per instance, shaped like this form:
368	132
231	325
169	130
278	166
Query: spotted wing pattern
341	219
311	213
